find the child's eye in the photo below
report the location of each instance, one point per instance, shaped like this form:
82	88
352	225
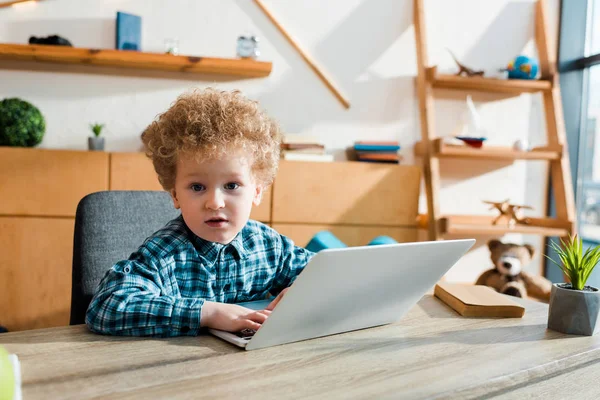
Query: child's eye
196	187
231	186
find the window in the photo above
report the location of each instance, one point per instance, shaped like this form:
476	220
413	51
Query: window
588	199
588	152
579	67
595	27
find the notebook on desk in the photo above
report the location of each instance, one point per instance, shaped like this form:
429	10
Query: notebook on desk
477	301
352	288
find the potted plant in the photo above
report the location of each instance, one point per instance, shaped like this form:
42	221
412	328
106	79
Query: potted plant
21	123
574	306
96	142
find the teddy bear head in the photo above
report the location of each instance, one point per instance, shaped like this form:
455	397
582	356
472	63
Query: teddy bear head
510	258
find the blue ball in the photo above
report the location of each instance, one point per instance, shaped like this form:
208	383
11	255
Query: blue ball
382	240
324	240
523	67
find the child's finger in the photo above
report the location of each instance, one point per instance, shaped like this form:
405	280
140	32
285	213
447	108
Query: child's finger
251	324
258	317
272	304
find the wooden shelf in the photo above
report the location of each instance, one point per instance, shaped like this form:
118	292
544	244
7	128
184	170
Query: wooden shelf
482	225
13	2
135	60
444	150
514	86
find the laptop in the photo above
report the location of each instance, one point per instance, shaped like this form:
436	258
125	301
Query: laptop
347	289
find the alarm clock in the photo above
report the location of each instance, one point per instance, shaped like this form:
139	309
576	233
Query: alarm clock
247	47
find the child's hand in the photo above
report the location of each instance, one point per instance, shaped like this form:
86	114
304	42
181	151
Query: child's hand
277	299
231	317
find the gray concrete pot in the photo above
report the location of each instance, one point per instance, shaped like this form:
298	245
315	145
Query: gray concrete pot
95	143
575	312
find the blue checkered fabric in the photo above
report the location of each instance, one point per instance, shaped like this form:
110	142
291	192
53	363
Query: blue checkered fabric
161	288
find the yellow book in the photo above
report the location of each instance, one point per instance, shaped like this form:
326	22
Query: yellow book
477	301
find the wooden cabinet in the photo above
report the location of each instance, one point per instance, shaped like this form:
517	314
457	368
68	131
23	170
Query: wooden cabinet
355	201
49	182
35	263
134	171
40	191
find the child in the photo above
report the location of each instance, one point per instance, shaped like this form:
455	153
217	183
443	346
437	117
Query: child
215	153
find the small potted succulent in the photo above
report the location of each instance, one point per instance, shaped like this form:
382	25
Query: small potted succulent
96	142
574	306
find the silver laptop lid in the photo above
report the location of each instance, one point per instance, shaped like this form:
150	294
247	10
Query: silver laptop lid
346	289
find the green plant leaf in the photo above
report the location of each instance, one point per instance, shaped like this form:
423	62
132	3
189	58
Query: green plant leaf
576	264
97	129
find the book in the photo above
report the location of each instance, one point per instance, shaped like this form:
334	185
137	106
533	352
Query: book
477	301
299	139
377	156
300	146
376	147
293	156
129	32
379	142
304	151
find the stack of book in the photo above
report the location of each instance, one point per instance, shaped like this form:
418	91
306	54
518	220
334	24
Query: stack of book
303	148
373	151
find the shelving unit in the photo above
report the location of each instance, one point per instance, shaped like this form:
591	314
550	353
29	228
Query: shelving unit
444	150
482	225
432	148
513	86
134	60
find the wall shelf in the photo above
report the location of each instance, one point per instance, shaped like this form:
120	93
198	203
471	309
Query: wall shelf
135	60
482	225
513	86
548	88
13	2
444	150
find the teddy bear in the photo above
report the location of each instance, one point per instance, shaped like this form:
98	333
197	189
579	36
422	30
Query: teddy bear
508	276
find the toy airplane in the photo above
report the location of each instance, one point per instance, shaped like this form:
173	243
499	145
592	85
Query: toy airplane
463	69
509	211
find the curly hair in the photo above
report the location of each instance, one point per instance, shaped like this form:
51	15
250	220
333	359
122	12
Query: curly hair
208	123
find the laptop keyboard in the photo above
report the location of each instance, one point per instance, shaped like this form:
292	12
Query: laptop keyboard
245	333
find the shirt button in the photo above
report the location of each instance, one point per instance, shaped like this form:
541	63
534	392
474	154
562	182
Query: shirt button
127	269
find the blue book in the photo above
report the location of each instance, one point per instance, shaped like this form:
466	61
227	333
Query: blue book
376	147
129	32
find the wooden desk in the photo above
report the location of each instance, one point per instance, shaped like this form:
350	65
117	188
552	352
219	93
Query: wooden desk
432	352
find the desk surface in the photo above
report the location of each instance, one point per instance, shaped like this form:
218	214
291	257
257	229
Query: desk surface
431	352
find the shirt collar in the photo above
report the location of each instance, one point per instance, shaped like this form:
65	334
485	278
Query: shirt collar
211	249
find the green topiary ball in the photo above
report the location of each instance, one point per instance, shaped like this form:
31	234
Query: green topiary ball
21	123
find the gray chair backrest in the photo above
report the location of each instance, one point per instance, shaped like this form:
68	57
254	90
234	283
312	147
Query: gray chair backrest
109	226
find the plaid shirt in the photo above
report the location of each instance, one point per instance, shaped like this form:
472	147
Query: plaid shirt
161	288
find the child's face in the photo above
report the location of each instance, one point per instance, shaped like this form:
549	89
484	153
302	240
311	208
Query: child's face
216	196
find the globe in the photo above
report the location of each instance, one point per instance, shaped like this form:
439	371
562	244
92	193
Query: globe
523	67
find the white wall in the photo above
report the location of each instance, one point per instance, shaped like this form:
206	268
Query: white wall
366	46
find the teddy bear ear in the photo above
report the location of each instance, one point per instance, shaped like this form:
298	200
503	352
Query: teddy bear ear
494	243
530	249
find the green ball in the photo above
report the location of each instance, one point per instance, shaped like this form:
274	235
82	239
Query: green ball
7	377
21	123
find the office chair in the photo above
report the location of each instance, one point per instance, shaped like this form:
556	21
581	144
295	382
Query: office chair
109	226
